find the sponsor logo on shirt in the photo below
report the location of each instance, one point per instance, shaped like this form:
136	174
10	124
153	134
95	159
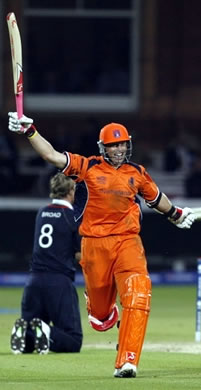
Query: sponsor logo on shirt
101	179
116	192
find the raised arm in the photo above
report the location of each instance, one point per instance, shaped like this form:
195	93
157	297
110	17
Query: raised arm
39	143
46	150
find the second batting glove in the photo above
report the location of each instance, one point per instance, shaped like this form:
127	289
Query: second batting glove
183	218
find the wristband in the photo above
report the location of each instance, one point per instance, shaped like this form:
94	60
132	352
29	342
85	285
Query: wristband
170	212
33	135
174	213
177	214
31	132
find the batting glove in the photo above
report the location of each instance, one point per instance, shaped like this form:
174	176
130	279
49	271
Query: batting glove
183	218
19	126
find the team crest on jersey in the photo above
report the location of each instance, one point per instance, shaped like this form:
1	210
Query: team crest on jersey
131	181
116	133
101	179
130	356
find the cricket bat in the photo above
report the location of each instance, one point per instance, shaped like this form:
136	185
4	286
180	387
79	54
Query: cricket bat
16	55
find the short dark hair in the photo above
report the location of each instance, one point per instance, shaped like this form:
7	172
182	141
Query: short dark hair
60	186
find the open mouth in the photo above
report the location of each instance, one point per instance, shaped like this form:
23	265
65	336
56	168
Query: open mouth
118	155
118	158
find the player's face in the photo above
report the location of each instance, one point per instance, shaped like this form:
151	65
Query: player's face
117	152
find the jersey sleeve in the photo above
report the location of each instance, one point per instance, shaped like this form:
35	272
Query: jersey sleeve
76	166
148	188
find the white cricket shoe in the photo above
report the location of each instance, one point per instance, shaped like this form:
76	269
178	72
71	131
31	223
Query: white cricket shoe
128	370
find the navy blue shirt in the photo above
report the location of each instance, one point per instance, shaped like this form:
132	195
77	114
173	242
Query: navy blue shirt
56	239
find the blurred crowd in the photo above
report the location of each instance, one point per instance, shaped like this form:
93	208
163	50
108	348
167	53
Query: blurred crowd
177	153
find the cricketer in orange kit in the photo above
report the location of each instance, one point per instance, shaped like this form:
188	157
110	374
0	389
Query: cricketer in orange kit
113	257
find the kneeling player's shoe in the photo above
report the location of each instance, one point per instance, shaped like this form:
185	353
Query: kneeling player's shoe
42	335
18	336
128	370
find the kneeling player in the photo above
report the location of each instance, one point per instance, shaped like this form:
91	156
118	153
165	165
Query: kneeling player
50	315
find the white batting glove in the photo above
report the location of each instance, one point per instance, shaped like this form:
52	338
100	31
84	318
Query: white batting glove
183	218
19	126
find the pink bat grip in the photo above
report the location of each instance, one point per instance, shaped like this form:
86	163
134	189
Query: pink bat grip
19	104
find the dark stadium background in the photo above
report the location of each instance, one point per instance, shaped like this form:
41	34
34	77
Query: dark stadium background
88	63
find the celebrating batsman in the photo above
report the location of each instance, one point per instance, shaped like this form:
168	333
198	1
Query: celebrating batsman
113	258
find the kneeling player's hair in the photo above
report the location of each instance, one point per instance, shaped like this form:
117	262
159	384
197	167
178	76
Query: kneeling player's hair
60	186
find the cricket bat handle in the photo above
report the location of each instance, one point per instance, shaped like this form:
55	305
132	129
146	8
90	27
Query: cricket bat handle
19	104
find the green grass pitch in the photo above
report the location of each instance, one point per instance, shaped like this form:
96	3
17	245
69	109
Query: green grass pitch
170	358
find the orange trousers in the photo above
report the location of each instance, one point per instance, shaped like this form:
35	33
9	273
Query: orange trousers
107	262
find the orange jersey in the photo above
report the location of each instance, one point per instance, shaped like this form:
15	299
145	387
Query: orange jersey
112	207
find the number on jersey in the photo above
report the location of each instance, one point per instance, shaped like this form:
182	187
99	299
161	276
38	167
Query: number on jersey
46	239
